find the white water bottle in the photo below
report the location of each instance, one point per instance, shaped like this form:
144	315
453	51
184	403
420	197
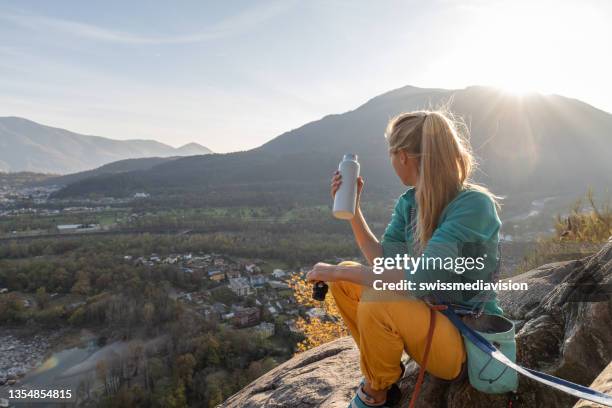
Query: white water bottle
346	196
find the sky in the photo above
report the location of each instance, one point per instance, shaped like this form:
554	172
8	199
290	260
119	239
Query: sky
232	75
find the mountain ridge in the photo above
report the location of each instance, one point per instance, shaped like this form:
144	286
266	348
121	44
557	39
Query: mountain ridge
26	145
540	143
116	167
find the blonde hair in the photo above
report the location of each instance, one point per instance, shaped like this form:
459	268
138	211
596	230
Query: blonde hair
445	166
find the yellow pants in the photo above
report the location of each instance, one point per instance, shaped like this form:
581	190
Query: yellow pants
384	329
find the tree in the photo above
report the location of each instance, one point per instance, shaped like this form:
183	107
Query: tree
42	297
177	398
82	285
11	308
148	312
317	330
184	368
101	374
154	371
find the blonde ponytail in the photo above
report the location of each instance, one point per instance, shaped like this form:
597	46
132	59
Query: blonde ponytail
446	163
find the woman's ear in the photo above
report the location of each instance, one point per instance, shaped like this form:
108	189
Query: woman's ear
403	156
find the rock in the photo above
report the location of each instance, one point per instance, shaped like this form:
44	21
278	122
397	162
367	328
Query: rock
602	383
11	373
324	376
541	281
565	330
20	371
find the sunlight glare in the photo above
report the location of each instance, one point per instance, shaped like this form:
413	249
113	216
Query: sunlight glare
524	47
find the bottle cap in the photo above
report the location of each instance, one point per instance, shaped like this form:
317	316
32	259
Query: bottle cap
350	156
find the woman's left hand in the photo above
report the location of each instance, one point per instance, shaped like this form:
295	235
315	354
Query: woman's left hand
323	272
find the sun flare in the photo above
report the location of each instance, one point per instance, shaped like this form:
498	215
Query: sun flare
526	47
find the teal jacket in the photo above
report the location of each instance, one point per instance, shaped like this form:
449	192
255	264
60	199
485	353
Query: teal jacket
468	228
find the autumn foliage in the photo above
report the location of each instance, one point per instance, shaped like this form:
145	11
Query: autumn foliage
317	330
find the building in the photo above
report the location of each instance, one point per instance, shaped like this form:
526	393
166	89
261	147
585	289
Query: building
251	268
258	280
278	273
232	273
171	260
219	308
240	286
216	275
278	285
246	316
67	228
265	329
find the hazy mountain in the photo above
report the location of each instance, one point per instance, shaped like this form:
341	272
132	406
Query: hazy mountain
22	178
192	149
545	144
30	146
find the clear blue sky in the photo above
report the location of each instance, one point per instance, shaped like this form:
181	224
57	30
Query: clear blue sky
232	75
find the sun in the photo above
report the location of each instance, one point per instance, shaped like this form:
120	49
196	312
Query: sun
522	47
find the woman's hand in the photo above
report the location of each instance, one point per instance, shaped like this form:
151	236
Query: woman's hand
323	272
336	181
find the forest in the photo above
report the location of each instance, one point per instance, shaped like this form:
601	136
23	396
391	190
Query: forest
198	359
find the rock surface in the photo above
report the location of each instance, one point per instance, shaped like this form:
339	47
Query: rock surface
564	328
19	355
602	383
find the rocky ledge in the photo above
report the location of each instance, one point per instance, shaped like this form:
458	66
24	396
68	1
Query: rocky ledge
564	328
20	355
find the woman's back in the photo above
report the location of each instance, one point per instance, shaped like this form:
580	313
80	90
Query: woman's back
463	248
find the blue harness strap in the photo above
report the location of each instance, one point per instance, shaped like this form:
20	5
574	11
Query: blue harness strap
569	387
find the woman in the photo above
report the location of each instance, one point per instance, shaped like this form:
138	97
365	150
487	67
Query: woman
441	215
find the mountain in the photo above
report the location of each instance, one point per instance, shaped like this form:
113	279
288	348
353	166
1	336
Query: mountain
120	166
192	149
540	144
22	179
30	146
